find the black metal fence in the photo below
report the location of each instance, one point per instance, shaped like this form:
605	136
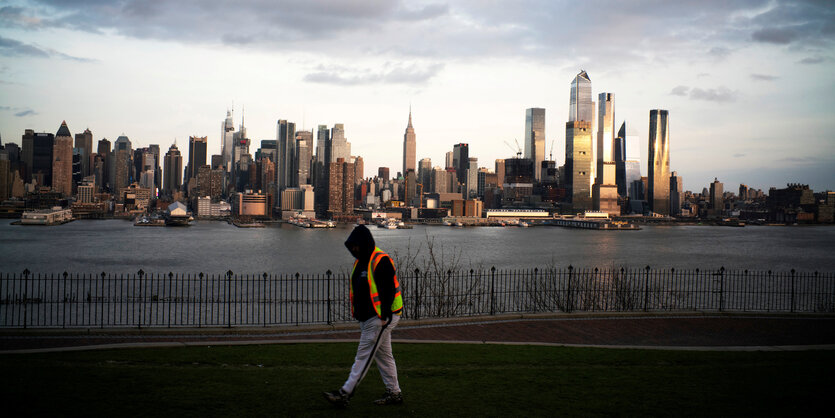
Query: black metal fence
31	300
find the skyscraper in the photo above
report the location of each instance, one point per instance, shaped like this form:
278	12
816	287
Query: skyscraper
409	147
172	176
121	168
103	150
197	155
303	157
227	138
535	138
578	163
286	147
340	147
62	161
605	133
658	169
84	142
717	201
425	173
620	160
581	108
461	161
676	184
581	105
605	191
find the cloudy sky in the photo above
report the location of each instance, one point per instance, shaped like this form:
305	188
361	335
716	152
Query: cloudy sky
750	85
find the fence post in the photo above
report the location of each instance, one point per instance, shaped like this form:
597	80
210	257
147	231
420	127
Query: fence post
328	273
200	300
170	282
140	273
229	299
298	299
535	295
264	296
570	303
66	298
416	314
25	295
792	295
646	289
492	294
107	306
721	288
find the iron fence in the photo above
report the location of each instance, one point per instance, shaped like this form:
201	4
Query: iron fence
32	300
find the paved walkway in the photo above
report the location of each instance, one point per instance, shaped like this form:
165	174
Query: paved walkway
693	331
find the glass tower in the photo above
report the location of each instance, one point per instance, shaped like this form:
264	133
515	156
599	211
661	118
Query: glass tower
658	169
535	138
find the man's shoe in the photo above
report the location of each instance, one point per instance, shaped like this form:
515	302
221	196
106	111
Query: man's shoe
337	397
390	398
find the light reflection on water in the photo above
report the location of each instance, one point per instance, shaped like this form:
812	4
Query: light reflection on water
118	246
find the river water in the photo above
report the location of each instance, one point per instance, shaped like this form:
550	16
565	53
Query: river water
89	246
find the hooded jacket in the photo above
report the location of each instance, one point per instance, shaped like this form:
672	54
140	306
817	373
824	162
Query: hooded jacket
383	277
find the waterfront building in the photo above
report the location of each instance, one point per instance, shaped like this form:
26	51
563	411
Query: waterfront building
252	204
62	161
578	164
469	208
409	147
320	169
658	169
605	135
135	197
535	138
341	190
173	168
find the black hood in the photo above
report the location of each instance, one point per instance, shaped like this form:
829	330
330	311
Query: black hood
362	238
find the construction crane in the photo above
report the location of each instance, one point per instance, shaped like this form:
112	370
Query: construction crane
551	154
517	149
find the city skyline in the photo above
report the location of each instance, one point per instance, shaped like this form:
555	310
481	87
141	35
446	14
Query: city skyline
749	86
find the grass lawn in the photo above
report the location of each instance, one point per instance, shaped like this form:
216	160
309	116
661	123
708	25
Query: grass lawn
437	379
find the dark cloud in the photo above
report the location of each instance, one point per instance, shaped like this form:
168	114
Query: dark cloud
531	29
739	155
774	35
680	91
28	112
720	95
812	60
763	77
14	48
399	74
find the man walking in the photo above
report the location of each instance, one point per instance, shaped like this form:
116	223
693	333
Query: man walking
376	302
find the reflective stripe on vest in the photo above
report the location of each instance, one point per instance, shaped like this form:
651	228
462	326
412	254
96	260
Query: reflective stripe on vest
373	261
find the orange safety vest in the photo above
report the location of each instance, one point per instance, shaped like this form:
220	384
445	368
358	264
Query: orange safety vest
397	303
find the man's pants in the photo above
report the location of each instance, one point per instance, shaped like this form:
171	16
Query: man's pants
375	344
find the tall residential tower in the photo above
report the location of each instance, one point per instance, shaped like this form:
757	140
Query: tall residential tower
658	168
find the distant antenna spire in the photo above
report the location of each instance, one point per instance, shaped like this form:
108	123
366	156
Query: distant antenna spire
410	114
243	116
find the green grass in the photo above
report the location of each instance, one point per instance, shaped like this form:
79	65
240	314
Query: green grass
437	379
